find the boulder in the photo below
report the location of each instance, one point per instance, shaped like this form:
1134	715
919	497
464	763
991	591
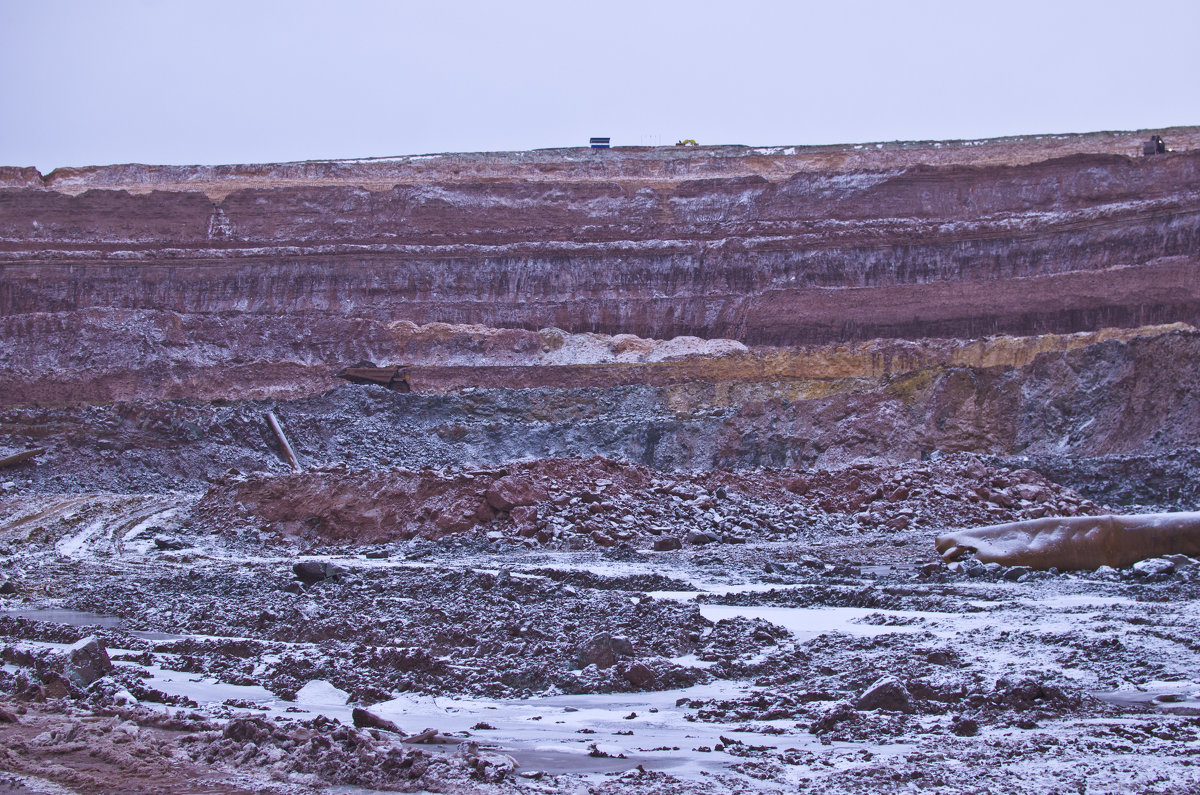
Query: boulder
1000	498
55	685
7	588
603	651
1153	567
887	693
1027	491
797	485
509	492
699	539
250	729
1029	694
1016	572
86	661
639	675
524	517
965	727
974	568
841	712
666	544
459	519
310	571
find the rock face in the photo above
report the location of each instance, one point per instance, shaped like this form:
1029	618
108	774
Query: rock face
1113	418
779	246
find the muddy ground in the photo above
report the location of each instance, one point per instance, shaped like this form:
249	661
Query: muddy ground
580	625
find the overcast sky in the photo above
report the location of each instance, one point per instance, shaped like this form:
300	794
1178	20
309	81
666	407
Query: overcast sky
89	82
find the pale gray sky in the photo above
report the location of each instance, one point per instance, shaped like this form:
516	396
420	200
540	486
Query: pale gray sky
89	82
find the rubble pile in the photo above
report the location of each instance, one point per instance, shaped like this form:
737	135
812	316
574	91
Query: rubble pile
598	502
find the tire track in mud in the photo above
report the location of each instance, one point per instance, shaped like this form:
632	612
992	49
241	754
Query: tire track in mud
91	525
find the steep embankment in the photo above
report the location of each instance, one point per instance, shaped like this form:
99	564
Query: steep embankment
845	302
1113	397
781	246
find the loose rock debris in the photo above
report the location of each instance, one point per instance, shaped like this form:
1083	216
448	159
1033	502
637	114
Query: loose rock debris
798	645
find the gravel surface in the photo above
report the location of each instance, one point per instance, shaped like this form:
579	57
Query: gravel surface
798	636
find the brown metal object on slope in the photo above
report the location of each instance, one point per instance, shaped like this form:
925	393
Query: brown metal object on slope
25	455
395	377
1071	543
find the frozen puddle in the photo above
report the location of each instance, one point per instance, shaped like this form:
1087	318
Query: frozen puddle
554	734
74	618
1181	698
806	623
1059	614
721	589
80	618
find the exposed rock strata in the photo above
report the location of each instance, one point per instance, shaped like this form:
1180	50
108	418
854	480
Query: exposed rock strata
815	250
216	288
1114	397
101	355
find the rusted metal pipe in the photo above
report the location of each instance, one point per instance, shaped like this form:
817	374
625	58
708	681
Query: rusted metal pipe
283	441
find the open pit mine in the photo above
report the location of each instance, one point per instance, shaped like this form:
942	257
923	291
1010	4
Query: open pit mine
823	469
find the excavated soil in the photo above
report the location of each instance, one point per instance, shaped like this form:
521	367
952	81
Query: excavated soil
658	515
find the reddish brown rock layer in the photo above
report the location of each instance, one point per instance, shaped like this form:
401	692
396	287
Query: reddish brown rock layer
603	502
773	248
